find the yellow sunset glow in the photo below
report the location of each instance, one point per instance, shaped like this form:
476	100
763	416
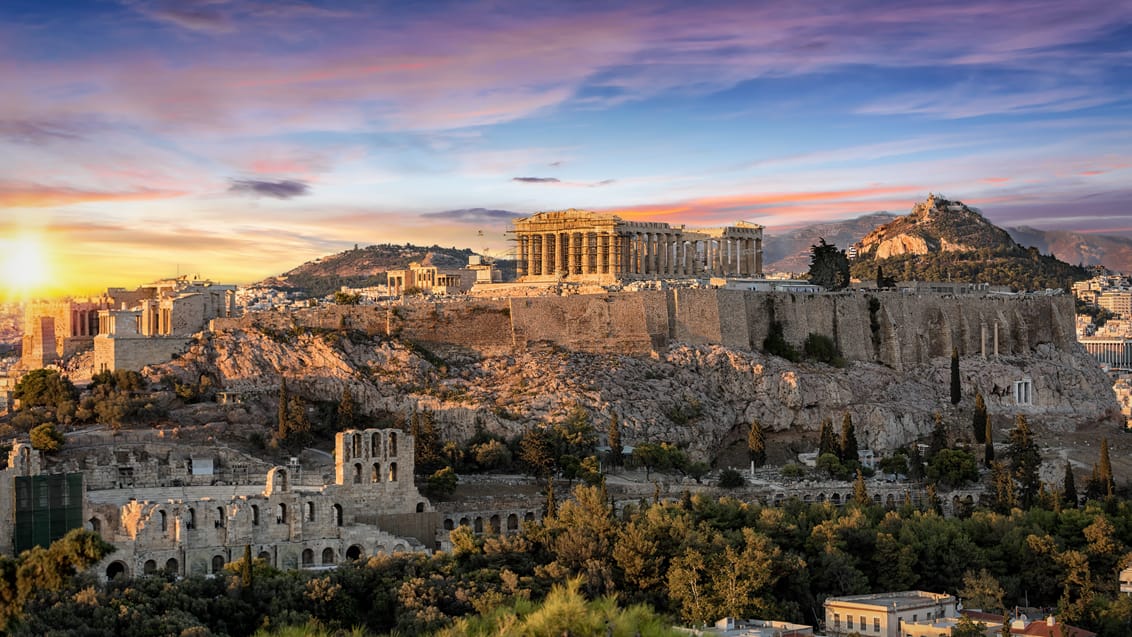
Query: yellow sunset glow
24	267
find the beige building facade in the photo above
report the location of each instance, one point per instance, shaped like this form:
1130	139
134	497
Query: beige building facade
580	245
430	279
884	614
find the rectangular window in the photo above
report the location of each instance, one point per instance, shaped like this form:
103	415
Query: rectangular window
862	624
876	624
849	622
836	620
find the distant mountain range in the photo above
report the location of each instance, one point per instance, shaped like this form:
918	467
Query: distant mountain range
362	267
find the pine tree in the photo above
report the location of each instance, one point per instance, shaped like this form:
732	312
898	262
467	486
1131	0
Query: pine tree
988	451
1104	470
979	420
1025	462
1069	488
848	447
756	444
956	390
860	492
616	449
827	443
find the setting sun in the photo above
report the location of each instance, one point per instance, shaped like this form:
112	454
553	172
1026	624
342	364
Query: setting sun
24	266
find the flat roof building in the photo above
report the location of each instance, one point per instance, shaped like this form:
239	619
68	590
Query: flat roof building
883	613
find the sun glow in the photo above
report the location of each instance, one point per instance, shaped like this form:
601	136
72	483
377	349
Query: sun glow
24	267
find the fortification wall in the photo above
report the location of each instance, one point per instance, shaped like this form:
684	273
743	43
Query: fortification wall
893	328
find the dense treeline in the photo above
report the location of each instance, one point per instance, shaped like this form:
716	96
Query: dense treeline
695	559
1022	270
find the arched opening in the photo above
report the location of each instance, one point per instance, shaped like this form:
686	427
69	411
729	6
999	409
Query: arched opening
821	498
255	515
217	563
357	473
164	521
393	472
282	476
512	522
354	553
220	517
392	444
890	501
338	514
420	507
398	548
171	565
477	526
835	498
529	517
448	525
876	499
117	568
310	511
379	550
494	526
464	522
807	499
150	567
308	557
375	474
95	525
191	519
265	556
328	555
357	443
281	514
375	445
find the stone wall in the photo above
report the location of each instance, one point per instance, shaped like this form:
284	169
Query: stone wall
112	353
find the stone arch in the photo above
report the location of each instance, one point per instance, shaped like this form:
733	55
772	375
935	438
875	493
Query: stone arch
375	445
255	515
357	473
355	552
448	525
310	511
150	567
308	557
356	445
393	472
191	518
281	514
477	525
220	517
808	498
337	514
494	524
399	548
265	556
876	499
464	522
420	507
380	550
95	524
393	444
779	498
277	481
116	568
512	522
835	499
821	498
375	474
164	519
328	555
171	565
529	516
217	563
890	501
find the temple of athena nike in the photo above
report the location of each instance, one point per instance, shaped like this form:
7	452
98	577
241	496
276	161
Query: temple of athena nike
584	246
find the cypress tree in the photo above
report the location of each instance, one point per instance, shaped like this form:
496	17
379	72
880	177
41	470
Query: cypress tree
1069	488
848	447
988	451
956	392
756	444
282	412
915	463
615	446
246	568
1025	462
1104	470
827	443
938	441
551	503
347	410
860	492
979	420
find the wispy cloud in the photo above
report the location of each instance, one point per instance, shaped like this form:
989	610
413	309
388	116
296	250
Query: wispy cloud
473	215
537	180
194	15
283	189
30	195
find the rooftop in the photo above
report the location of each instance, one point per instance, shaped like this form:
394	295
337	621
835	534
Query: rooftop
902	600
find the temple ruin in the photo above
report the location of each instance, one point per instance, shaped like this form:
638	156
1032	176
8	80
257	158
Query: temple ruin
580	245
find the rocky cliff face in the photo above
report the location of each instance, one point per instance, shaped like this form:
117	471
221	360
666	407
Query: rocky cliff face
701	396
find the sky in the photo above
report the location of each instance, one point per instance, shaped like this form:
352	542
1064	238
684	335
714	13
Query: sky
235	140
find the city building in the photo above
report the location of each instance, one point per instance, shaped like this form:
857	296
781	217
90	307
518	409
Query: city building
585	246
885	613
731	627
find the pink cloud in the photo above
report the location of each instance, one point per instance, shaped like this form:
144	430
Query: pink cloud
19	195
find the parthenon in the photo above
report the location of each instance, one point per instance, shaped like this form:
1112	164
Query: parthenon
582	245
